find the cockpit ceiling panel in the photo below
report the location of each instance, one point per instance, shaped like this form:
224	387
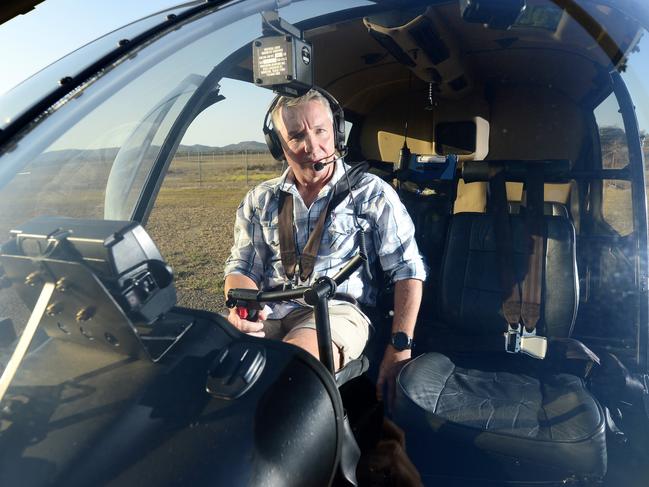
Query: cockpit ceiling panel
573	75
568	57
12	8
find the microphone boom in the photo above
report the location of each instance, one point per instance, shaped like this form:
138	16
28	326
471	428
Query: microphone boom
319	165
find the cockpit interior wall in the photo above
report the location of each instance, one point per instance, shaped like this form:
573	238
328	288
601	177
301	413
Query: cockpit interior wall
534	122
382	136
551	126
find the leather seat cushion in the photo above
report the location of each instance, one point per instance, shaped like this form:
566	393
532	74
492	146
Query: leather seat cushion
548	419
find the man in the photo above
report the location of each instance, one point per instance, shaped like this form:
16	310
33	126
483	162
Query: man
306	129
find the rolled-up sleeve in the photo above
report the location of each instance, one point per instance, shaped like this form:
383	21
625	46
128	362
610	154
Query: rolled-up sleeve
396	246
244	255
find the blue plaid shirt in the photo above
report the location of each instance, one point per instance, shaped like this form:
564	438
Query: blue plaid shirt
389	236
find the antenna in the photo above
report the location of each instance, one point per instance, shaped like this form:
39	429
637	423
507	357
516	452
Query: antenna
404	153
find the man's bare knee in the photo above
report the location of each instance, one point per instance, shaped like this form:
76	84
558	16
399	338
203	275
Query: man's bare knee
307	339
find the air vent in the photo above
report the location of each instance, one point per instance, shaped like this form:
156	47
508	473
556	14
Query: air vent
458	84
393	48
429	42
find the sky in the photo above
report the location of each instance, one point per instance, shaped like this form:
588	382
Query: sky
57	27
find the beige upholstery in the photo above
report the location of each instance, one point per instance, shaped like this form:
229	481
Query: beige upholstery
557	193
383	131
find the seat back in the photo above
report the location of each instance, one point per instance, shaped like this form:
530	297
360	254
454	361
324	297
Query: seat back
470	289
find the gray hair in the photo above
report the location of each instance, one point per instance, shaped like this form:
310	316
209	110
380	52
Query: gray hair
287	101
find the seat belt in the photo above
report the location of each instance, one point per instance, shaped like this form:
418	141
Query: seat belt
535	230
286	221
524	312
521	303
563	348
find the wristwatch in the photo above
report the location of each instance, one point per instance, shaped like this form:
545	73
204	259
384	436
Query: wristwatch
401	341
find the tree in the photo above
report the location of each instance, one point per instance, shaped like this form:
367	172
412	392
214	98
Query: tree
615	153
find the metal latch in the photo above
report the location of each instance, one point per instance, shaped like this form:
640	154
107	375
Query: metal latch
519	340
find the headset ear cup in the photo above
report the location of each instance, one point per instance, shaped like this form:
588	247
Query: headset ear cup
274	145
272	140
340	131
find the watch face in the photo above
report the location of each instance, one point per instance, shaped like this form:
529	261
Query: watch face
401	341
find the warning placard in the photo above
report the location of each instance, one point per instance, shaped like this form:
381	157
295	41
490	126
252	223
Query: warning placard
272	61
283	63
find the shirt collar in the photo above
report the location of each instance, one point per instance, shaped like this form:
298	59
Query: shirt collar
288	185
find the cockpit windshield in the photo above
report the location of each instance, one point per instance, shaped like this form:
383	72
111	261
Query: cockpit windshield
118	202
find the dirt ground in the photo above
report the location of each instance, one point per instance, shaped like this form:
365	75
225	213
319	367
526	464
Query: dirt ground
195	242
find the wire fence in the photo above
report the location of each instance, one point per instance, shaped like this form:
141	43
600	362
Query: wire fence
210	168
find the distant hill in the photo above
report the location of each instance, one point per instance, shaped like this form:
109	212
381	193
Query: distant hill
246	145
109	153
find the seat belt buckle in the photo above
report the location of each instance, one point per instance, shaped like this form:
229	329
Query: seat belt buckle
534	346
513	339
517	340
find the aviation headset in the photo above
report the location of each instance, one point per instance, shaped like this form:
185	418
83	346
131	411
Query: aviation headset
272	138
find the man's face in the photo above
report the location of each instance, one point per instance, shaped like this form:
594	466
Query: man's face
307	137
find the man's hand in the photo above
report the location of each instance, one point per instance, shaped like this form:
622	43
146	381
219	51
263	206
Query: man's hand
254	328
393	361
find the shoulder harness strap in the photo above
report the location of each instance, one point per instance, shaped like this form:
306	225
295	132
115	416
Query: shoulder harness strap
286	220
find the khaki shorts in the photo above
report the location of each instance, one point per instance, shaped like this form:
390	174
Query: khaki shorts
349	328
